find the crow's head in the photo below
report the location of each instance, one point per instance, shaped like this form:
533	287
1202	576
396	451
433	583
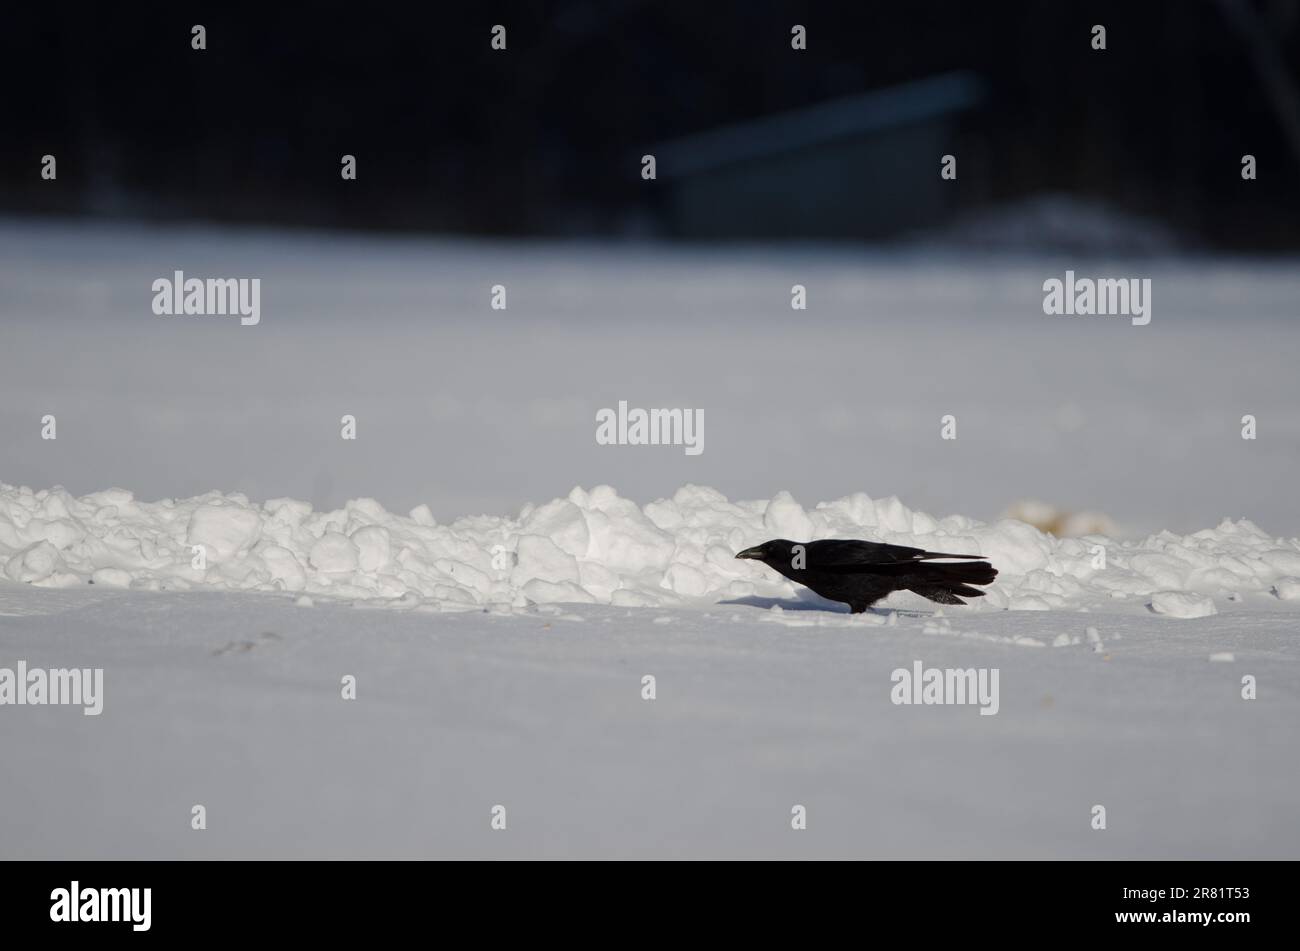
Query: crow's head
777	550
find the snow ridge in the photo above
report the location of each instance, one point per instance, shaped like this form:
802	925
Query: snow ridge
597	547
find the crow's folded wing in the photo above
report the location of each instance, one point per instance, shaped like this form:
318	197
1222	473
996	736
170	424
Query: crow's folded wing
847	554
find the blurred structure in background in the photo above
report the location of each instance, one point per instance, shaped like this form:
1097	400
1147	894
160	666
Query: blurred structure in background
816	172
839	140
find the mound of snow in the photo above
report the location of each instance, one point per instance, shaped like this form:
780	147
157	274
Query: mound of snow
596	547
1181	604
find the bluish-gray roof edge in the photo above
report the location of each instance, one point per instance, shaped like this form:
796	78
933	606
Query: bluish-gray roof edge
824	122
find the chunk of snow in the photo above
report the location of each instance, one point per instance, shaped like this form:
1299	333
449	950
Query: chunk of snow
563	523
540	557
111	577
564	592
1182	604
374	550
785	518
34	563
224	529
334	553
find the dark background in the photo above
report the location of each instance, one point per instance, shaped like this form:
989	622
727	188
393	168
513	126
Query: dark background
545	138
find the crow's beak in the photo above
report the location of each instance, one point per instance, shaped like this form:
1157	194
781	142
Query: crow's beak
753	553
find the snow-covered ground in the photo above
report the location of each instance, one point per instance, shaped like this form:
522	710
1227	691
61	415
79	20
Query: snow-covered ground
501	662
232	701
499	658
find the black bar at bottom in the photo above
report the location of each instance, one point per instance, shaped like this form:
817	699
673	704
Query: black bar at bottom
335	900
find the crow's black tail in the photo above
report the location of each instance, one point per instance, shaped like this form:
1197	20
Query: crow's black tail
944	582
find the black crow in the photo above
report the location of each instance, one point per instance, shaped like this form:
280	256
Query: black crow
861	573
